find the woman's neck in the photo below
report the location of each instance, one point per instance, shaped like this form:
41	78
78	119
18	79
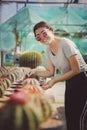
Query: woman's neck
54	45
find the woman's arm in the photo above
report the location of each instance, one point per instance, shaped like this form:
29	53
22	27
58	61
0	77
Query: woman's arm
75	69
50	70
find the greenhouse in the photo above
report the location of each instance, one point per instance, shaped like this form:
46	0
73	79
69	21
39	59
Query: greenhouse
68	18
24	70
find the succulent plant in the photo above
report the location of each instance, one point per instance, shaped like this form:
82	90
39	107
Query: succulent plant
3	70
31	81
24	112
4	84
18	117
30	59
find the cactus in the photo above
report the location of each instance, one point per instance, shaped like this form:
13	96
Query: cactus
31	81
24	112
3	70
30	59
4	84
18	117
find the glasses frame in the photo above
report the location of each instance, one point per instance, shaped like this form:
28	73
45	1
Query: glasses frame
43	33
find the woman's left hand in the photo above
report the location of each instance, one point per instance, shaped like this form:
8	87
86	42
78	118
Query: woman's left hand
48	85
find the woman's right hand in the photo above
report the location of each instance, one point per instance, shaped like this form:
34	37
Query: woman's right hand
31	72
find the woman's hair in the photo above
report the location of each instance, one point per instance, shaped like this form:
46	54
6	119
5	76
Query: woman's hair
42	24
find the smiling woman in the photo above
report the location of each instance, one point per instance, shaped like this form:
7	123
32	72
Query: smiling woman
44	33
63	54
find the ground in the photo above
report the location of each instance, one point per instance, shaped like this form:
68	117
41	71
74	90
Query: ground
58	92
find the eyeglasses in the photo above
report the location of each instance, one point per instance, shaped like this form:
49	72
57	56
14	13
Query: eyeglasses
43	33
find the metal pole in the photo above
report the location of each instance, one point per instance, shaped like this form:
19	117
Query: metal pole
0	33
33	2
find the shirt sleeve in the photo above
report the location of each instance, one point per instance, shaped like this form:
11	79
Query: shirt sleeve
69	48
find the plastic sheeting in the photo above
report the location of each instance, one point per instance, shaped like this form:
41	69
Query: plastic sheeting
68	19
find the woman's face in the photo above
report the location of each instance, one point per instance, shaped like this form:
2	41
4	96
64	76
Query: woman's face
44	35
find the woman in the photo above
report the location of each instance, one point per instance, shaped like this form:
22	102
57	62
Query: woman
62	54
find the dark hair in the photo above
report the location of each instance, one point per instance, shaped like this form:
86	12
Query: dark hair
42	24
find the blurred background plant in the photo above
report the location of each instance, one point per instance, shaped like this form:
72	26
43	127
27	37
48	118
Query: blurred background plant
30	59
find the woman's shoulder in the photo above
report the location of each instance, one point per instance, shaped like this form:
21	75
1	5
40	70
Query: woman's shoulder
64	39
67	42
